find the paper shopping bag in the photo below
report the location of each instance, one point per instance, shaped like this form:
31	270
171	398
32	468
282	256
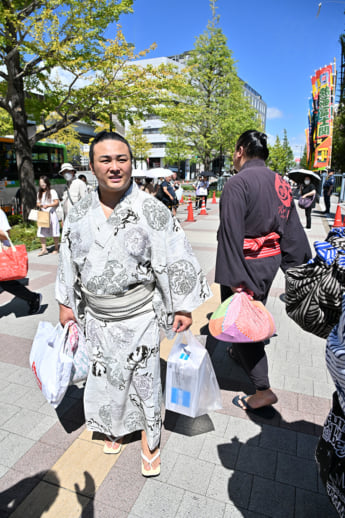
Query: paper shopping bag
43	219
191	385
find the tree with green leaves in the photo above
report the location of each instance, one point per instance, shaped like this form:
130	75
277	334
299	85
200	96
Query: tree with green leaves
178	147
139	144
6	126
281	156
213	110
54	57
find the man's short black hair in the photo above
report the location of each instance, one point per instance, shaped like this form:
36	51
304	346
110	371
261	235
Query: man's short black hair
107	135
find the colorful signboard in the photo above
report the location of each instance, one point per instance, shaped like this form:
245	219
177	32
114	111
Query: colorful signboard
320	118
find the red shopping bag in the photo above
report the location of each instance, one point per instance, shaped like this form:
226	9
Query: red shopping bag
13	262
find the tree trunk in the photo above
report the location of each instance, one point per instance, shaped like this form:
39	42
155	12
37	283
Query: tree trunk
21	139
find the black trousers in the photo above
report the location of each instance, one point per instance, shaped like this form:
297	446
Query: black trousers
308	217
327	200
252	355
18	290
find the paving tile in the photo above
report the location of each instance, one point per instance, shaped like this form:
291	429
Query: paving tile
238	512
24	376
6	412
299	385
7	370
50	500
14	487
191	474
120	489
95	509
220	422
196	506
323	390
31	399
313	405
306	446
278	439
313	505
223	454
31	424
314	373
227	485
12	448
304	358
3	434
278	500
286	400
61	435
85	464
290	369
40	457
12	392
257	461
243	429
157	500
297	471
189	446
294	420
3	470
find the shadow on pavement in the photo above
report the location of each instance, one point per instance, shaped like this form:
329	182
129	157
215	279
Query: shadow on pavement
11	498
274	473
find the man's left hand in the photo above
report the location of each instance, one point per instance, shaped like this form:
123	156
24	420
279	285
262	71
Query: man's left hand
182	321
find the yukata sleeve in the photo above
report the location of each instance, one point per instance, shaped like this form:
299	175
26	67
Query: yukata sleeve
231	266
67	272
179	277
294	244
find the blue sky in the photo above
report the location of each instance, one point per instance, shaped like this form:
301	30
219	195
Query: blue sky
278	46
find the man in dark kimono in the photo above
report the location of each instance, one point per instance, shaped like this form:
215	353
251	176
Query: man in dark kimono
259	232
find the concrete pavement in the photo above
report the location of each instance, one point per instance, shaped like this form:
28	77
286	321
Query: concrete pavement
225	464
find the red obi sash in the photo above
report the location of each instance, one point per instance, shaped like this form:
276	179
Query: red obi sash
259	247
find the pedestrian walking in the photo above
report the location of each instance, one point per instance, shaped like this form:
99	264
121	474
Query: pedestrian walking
83	178
48	201
169	195
201	191
16	288
125	271
308	193
259	232
75	190
327	190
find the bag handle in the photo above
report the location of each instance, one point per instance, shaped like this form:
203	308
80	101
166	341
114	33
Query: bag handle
2	246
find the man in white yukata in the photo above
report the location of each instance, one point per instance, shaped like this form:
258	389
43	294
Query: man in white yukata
126	270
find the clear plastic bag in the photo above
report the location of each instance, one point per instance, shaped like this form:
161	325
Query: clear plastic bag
191	385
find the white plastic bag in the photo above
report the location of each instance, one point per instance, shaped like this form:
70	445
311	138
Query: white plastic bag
76	348
191	385
50	362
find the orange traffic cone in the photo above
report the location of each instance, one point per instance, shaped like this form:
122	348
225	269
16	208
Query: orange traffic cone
203	208
190	216
214	201
12	210
181	200
338	222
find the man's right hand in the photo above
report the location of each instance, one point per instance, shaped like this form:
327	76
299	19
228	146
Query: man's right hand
66	314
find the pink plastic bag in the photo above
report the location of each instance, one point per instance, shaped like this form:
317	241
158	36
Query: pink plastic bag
242	319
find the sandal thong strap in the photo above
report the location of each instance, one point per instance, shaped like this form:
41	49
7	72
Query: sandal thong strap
143	456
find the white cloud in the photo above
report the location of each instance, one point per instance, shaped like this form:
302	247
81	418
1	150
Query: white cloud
274	113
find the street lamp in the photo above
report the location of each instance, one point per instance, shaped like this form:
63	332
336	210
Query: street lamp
327	2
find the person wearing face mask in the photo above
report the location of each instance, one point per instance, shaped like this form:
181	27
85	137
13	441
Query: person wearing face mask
75	190
307	190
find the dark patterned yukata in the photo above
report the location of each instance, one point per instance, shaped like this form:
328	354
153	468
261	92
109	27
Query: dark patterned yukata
257	204
140	246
